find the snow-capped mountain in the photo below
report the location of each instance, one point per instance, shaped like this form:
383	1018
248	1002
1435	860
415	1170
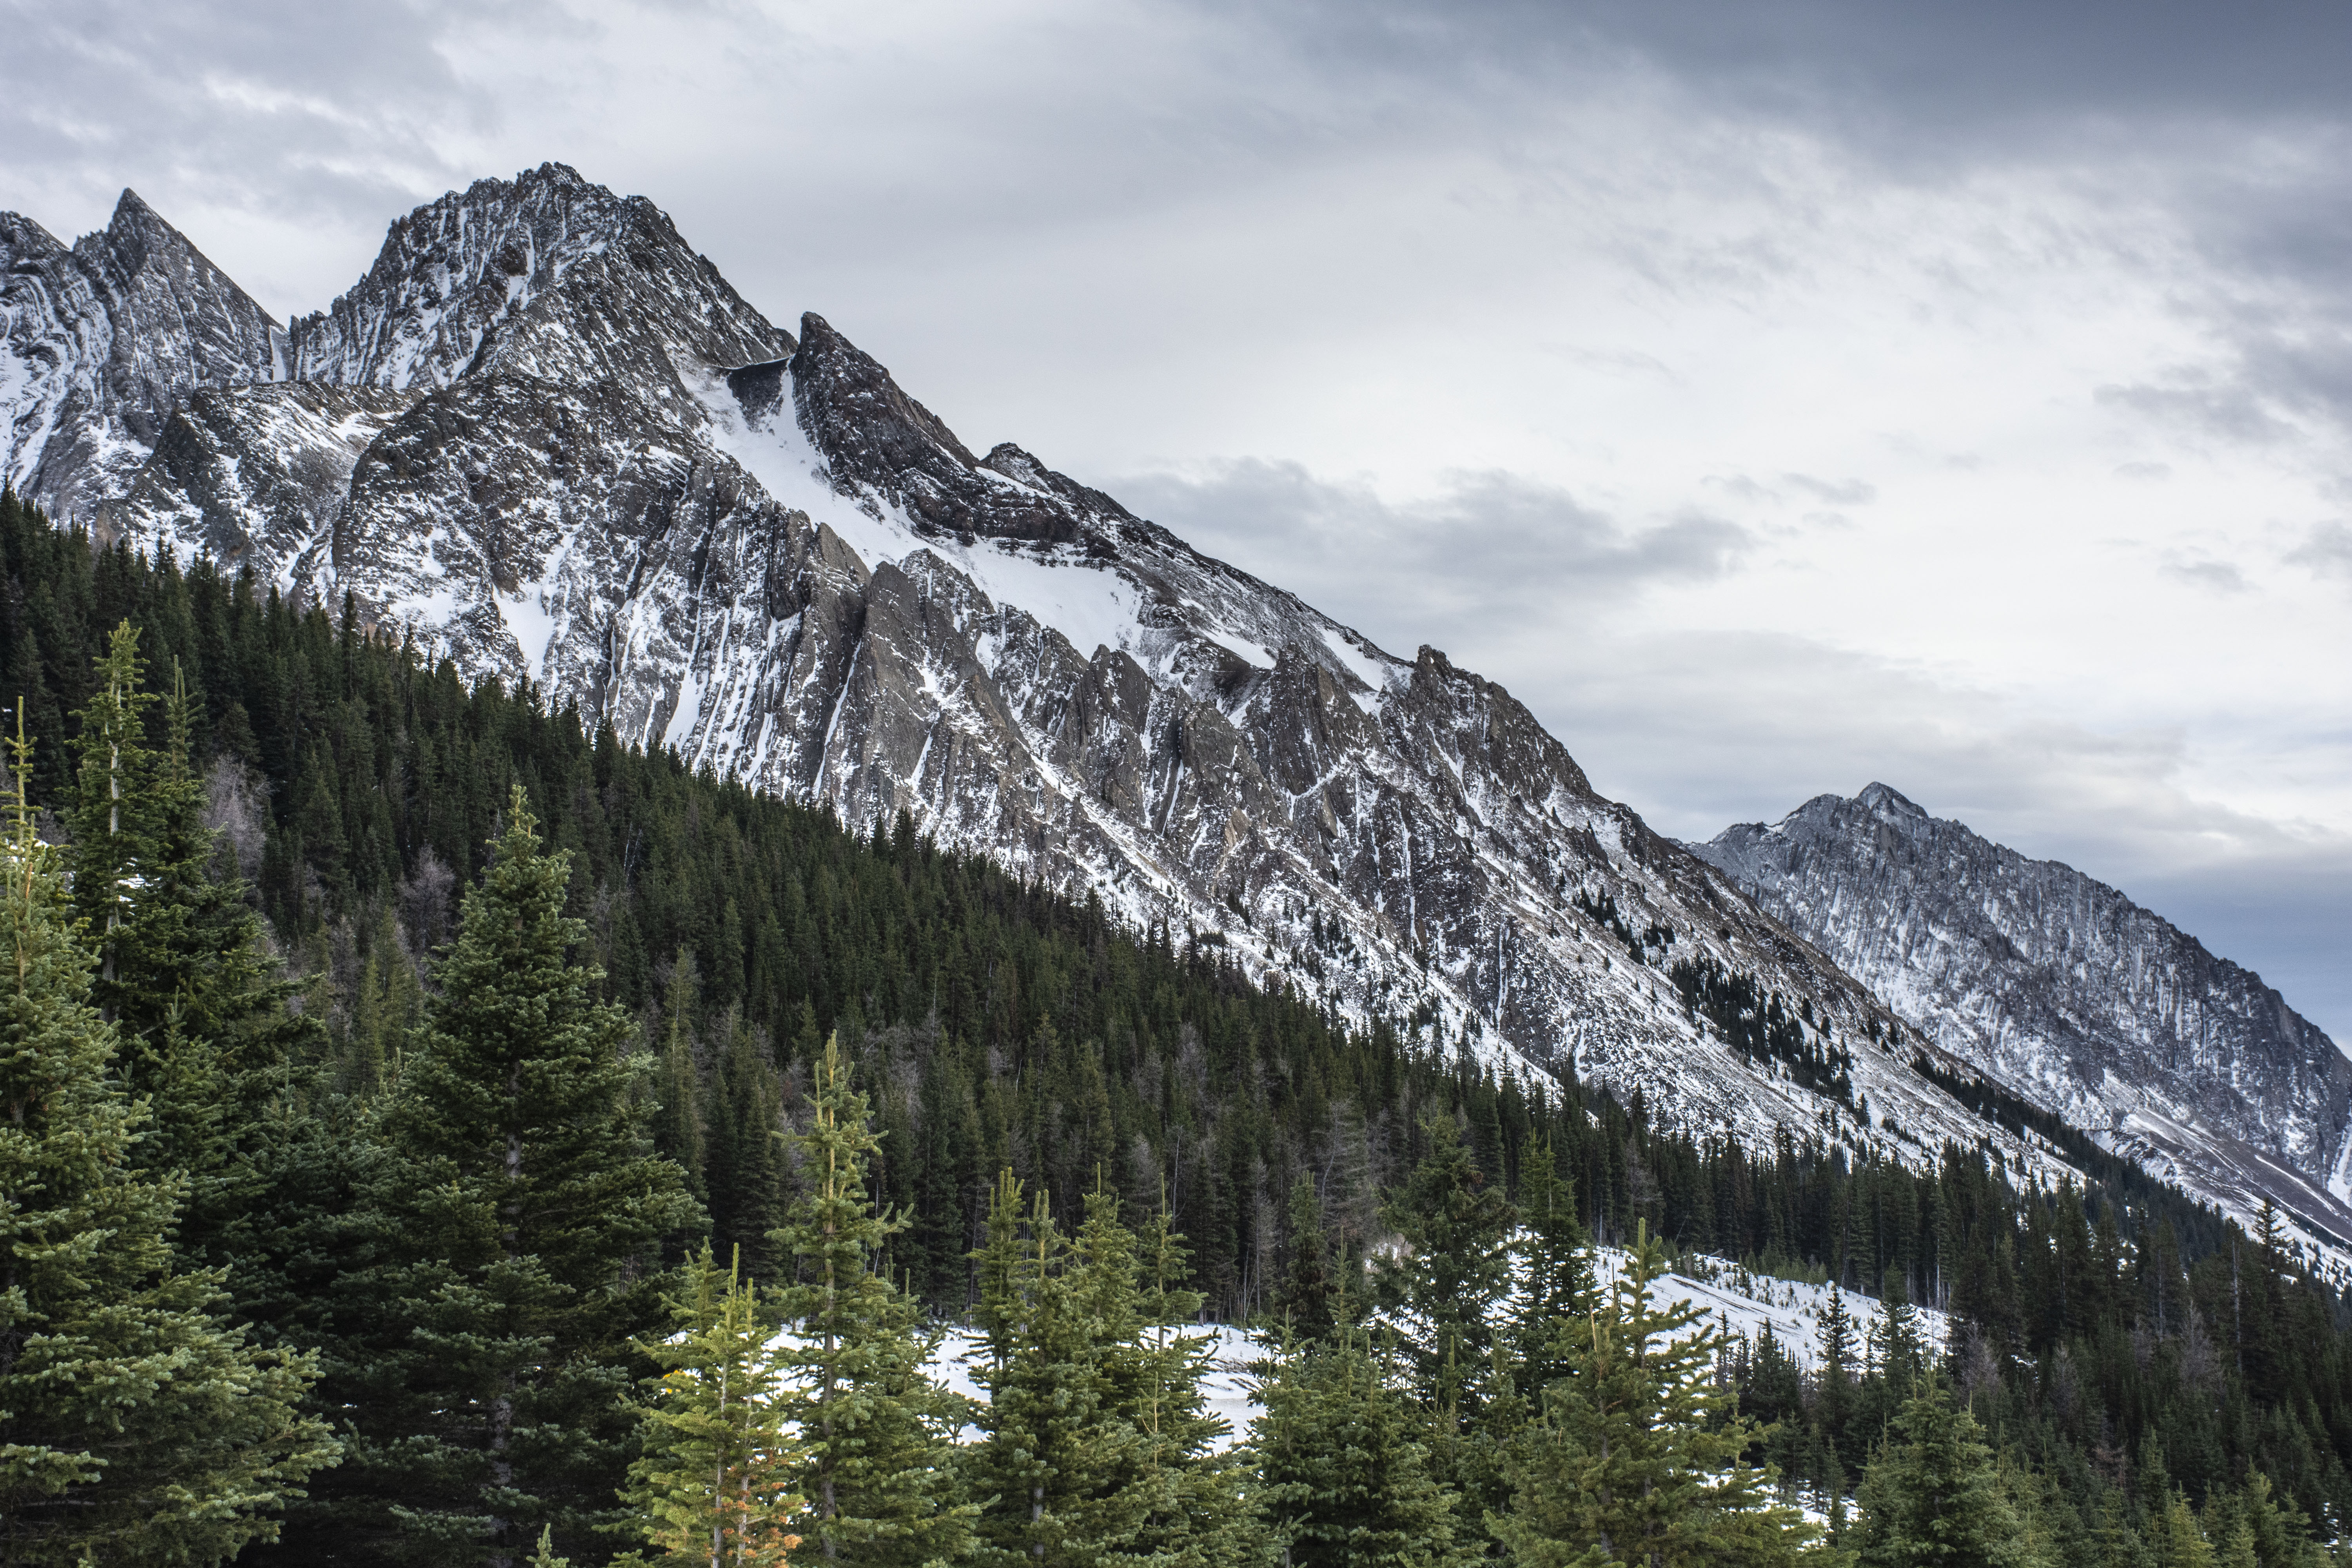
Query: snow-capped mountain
550	439
2069	994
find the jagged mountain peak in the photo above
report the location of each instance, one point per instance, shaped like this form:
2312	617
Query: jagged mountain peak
101	340
1888	800
547	274
870	432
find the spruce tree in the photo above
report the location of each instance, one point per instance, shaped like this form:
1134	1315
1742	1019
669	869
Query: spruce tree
1933	1496
1343	1478
1638	1455
1453	1277
1555	1267
714	1485
1304	1303
876	1433
1047	1458
113	808
134	1426
203	1010
517	1204
1187	1496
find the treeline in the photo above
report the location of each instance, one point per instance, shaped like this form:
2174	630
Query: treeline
995	1027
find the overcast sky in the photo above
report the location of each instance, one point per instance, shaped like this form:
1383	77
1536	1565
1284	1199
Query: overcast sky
1775	395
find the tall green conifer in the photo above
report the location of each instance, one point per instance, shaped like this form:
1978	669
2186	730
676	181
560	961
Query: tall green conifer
134	1427
1343	1478
714	1485
1934	1495
1450	1281
519	1206
1638	1455
875	1452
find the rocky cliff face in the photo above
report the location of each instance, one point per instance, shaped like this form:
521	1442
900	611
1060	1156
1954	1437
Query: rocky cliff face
548	438
2068	993
102	340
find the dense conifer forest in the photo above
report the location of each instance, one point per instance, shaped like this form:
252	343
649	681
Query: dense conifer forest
422	1111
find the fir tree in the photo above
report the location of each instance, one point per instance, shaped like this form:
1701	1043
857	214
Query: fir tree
520	1210
1304	1303
1638	1455
1555	1266
1190	1513
113	806
1055	1461
874	1431
714	1485
134	1427
203	1008
1454	1273
1933	1496
1343	1480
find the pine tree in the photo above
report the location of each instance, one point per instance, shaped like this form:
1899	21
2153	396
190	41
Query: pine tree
1343	1481
2174	1538
1835	1386
519	1205
1934	1495
1902	1350
1304	1302
714	1485
1053	1456
874	1431
1188	1499
1453	1275
1555	1266
745	1165
134	1427
113	806
203	1010
1638	1455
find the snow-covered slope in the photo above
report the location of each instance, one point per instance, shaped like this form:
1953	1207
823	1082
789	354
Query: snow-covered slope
2069	994
547	437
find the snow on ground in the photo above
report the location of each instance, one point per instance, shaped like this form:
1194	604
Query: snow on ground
1739	1303
1744	1304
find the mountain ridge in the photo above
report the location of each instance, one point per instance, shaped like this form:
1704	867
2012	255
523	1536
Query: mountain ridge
546	438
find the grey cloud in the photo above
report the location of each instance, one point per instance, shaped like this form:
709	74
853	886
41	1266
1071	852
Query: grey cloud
2230	411
298	105
1835	493
2215	576
1492	542
2143	471
2326	551
1927	75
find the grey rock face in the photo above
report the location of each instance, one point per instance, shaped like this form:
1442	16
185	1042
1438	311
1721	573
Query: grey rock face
255	474
2067	992
100	343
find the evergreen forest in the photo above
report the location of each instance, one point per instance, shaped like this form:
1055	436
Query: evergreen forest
433	1131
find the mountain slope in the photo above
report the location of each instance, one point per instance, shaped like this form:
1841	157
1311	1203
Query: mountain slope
549	440
2068	993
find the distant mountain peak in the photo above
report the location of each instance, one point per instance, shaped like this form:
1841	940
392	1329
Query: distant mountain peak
1886	798
2069	994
